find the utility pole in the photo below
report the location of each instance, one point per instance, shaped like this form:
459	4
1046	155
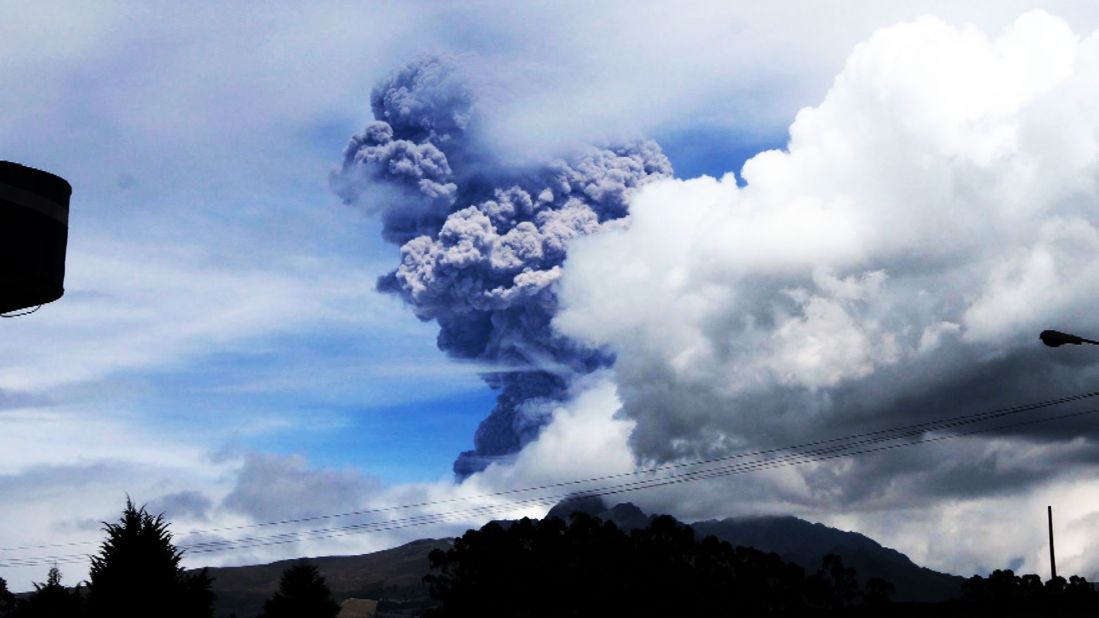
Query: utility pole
1052	557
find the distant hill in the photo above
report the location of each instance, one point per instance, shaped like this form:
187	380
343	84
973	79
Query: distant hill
398	572
242	590
800	542
806	543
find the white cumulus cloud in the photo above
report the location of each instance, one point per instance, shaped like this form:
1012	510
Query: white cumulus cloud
895	261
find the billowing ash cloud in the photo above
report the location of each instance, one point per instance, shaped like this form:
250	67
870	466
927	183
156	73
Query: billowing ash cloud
482	242
894	263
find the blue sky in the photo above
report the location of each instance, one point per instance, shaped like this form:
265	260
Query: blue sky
220	301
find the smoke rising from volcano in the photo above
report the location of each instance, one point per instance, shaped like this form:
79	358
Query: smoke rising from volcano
482	242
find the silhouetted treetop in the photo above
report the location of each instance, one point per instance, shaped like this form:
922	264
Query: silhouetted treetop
51	600
7	599
302	593
138	572
1004	593
590	567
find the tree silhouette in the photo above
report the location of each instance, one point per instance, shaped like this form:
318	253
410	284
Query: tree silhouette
7	599
51	600
137	572
592	568
302	593
834	588
1004	593
878	593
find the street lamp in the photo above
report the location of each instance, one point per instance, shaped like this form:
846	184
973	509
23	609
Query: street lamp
1055	338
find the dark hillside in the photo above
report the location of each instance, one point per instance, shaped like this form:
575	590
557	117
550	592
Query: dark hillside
800	542
397	571
806	543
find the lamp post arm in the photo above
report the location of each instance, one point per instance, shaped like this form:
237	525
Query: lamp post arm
1055	338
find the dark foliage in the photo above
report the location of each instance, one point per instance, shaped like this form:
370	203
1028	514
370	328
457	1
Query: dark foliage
1003	593
878	592
51	600
137	573
591	568
302	593
7	599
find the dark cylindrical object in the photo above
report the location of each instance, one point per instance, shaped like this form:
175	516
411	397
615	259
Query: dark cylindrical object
34	231
1052	556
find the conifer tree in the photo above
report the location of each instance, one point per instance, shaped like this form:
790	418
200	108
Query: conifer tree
51	600
7	599
302	593
137	572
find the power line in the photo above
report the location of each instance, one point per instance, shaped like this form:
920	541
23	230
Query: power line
916	427
926	426
864	446
797	459
831	452
846	442
342	531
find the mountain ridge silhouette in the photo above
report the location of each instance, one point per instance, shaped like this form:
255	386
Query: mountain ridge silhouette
795	540
396	573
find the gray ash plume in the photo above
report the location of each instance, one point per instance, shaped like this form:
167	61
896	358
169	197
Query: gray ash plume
483	243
